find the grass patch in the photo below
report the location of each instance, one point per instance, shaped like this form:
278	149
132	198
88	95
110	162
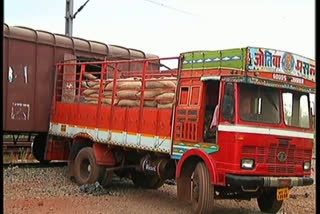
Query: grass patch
24	155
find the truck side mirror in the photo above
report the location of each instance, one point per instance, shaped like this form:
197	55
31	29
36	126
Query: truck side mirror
228	103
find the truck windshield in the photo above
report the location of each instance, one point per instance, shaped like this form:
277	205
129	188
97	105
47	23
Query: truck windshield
259	104
296	109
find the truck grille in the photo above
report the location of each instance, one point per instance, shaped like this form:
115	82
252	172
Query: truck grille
269	156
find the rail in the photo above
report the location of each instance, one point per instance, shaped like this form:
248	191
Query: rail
16	148
34	164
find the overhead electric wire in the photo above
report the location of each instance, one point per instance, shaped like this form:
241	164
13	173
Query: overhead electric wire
170	7
80	8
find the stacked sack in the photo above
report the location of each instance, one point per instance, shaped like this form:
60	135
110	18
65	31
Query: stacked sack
91	86
126	91
159	92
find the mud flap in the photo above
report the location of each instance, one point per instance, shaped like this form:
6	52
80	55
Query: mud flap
57	148
70	170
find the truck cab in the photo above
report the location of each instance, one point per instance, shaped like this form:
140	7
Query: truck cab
252	124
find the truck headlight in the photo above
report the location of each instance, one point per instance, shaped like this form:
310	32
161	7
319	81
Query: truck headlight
306	165
247	163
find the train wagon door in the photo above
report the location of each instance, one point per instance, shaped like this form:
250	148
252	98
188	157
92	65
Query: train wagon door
19	82
28	75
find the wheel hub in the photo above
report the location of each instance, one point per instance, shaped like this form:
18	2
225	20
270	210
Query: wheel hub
85	168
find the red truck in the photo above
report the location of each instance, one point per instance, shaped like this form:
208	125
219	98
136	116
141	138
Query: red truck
228	124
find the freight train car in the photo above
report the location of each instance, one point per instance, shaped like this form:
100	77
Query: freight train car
29	60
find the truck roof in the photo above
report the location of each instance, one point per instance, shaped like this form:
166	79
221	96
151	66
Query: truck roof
254	65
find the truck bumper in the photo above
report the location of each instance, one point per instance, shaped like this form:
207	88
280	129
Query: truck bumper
261	181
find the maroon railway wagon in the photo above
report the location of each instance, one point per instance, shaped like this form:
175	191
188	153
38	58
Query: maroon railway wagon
29	59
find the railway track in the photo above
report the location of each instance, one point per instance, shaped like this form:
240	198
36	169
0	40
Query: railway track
16	148
19	155
35	164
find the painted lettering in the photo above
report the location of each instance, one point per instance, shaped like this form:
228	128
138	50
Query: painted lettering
296	80
259	58
279	77
305	68
281	63
151	168
299	66
268	58
276	61
312	70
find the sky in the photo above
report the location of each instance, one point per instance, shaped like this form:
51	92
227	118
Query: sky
169	27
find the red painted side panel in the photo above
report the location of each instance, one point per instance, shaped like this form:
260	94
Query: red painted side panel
132	120
104	117
149	121
118	118
73	114
154	121
87	114
60	113
164	122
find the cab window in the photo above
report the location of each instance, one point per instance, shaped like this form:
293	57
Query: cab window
259	104
296	109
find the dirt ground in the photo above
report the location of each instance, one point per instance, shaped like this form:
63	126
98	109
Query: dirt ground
49	191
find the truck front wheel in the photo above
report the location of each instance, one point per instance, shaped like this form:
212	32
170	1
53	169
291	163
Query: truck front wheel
202	192
268	202
86	170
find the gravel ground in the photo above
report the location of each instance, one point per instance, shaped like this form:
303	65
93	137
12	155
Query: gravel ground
49	191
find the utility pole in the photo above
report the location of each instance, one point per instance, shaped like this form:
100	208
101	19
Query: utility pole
70	16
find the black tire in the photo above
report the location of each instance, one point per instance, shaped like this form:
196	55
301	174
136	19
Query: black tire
268	202
39	147
106	179
146	181
86	170
202	191
76	147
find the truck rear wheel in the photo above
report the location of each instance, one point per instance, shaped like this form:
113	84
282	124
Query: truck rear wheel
86	170
268	202
202	192
146	181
